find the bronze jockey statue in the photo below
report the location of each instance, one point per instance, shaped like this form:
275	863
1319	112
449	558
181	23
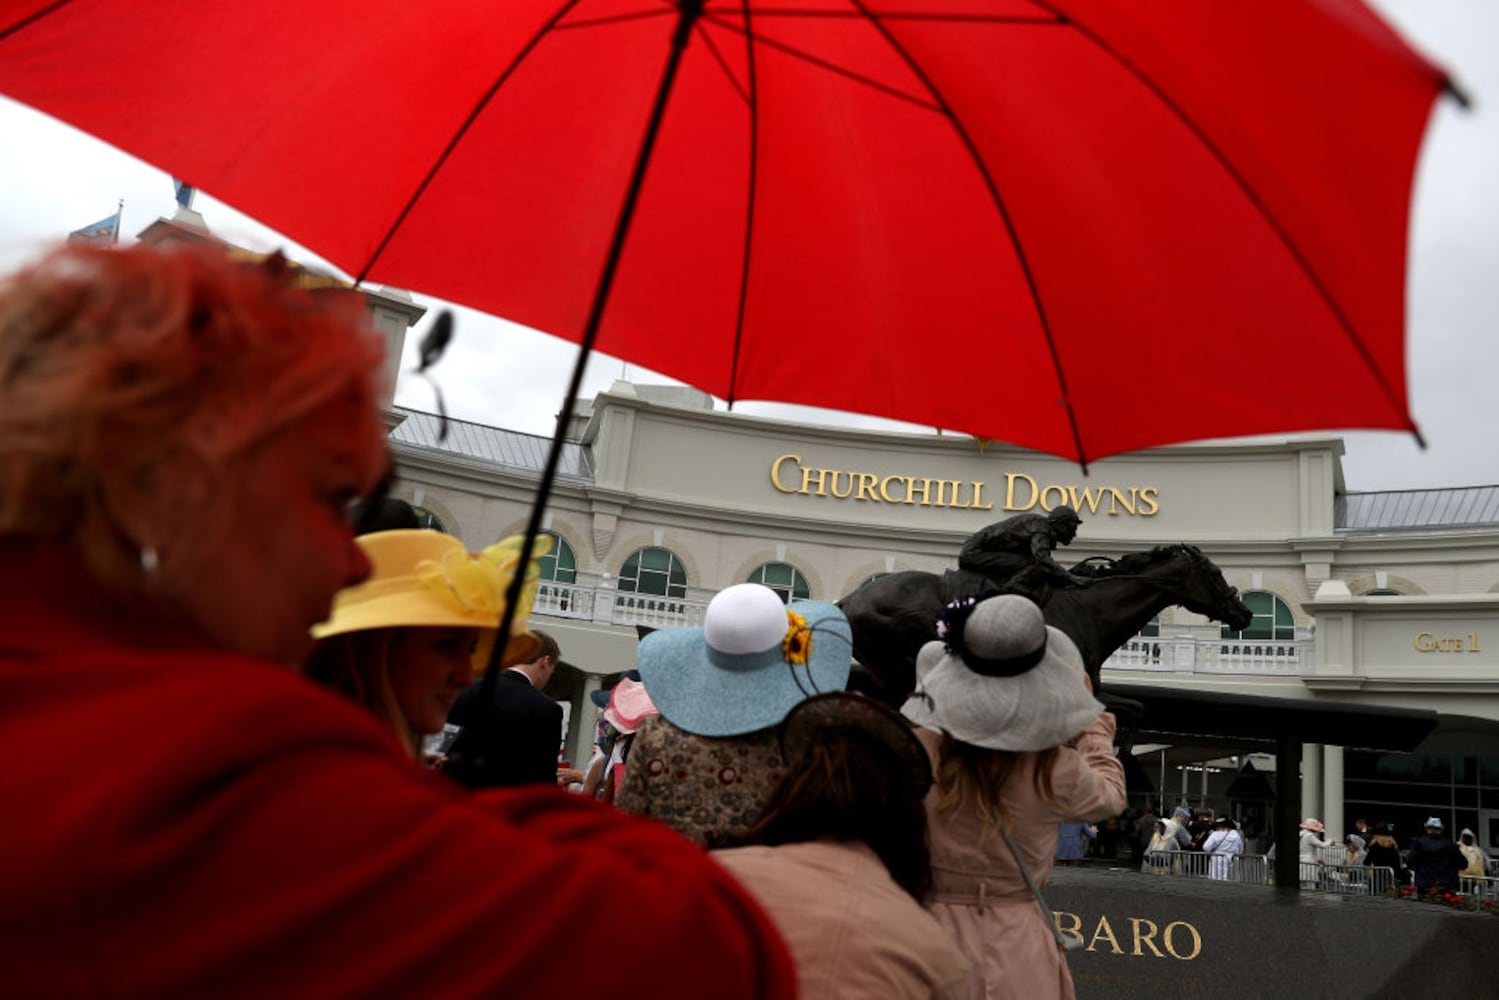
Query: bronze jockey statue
1016	553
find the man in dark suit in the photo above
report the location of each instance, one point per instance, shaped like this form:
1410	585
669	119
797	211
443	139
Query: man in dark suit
521	729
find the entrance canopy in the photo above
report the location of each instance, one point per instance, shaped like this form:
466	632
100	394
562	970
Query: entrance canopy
1176	716
1172	715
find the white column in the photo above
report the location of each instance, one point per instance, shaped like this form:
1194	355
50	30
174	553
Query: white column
585	718
1311	779
1332	793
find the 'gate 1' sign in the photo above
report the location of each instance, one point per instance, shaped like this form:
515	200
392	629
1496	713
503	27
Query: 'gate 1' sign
1429	642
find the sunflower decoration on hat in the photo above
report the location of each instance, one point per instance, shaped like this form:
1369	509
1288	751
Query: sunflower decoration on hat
423	578
751	662
999	677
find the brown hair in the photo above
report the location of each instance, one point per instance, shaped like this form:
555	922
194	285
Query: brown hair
973	777
849	785
157	365
357	666
549	647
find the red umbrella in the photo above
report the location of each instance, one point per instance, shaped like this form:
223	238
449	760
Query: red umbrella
1078	225
1082	226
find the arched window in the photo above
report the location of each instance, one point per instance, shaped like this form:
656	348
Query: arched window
1272	618
1151	629
784	579
559	565
653	571
559	569
426	519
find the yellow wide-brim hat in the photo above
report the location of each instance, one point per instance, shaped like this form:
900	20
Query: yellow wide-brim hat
423	579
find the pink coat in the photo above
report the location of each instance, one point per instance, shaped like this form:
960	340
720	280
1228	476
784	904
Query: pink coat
854	933
979	895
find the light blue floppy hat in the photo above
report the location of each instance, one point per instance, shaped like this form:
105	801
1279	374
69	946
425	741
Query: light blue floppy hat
753	660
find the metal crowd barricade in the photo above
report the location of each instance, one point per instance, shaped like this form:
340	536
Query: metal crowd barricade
1484	889
1158	863
1358	880
1313	875
1192	864
1250	868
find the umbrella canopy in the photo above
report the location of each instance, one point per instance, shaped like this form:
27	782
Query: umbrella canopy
1082	226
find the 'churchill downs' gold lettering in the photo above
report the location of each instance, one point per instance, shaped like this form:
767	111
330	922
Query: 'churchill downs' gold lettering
1021	492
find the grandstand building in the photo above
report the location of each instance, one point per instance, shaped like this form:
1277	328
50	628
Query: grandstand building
1364	603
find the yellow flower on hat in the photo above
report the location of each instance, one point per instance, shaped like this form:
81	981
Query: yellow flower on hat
477	581
797	644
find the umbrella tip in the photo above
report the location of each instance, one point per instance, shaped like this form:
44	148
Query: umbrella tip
436	340
1420	439
1463	101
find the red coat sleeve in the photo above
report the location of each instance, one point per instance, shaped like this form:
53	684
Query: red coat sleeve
227	831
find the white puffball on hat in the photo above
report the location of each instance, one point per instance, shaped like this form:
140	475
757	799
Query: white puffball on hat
751	661
745	618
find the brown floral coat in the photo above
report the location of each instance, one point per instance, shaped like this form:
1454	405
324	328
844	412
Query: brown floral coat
703	786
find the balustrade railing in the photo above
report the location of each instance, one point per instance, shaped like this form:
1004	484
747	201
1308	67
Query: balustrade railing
1188	654
608	606
1173	654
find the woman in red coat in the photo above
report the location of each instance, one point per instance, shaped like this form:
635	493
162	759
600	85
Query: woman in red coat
181	437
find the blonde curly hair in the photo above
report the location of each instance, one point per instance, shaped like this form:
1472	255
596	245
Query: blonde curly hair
138	361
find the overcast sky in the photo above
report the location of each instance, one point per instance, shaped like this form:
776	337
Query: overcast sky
54	179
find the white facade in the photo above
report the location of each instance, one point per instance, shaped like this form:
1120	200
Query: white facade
726	494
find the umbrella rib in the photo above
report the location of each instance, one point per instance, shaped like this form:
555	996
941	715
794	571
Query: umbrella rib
1270	218
32	18
1004	214
458	135
951	17
830	67
723	64
749	215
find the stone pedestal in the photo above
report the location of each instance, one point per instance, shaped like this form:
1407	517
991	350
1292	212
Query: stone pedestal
1169	936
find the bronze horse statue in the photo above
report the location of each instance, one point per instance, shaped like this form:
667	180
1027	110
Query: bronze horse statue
893	616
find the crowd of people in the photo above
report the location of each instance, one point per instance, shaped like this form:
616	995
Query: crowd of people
237	696
1430	861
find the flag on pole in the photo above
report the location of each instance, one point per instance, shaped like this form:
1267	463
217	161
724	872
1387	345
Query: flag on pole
185	192
106	230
